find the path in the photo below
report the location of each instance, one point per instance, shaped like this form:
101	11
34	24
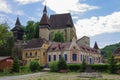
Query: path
23	77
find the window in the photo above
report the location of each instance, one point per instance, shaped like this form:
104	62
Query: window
65	57
74	57
81	57
54	57
35	54
43	53
26	54
59	56
49	58
30	54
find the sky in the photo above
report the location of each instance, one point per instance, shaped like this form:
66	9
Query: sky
97	19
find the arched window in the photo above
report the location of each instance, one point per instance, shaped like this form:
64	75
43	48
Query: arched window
26	54
74	57
35	54
30	54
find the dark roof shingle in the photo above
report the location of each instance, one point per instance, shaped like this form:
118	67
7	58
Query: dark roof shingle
60	21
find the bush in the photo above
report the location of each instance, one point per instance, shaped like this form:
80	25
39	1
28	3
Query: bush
24	69
35	66
53	66
83	66
100	67
16	65
62	64
74	67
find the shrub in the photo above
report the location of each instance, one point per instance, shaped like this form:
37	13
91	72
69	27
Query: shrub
112	65
74	67
62	64
53	66
100	67
24	69
35	66
16	65
83	66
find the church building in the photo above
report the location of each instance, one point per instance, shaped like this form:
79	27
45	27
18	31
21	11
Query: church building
57	23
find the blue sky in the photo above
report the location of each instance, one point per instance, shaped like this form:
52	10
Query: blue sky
97	19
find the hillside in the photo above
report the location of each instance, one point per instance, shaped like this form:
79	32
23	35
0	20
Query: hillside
109	48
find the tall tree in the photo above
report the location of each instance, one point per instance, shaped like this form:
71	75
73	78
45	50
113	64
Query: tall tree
32	30
6	41
58	37
112	65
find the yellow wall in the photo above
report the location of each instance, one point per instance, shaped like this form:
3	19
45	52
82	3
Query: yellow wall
41	54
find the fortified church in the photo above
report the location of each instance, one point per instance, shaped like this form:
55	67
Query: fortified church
46	50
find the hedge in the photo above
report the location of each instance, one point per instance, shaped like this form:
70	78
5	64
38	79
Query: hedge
74	67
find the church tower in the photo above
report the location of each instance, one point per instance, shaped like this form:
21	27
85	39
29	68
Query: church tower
44	25
96	47
17	30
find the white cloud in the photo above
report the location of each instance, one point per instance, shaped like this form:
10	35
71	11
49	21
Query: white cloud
5	7
19	12
98	25
73	6
4	18
26	1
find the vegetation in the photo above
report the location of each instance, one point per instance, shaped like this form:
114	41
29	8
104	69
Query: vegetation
16	65
108	49
53	66
6	41
58	37
83	66
112	65
31	30
35	66
62	64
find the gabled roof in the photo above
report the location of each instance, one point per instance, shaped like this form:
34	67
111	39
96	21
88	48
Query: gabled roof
96	46
4	57
59	21
35	43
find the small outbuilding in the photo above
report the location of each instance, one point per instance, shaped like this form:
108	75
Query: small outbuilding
6	62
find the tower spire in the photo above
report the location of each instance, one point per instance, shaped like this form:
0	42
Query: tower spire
45	9
18	21
96	46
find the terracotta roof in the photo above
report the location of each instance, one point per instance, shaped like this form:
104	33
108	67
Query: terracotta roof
117	51
59	21
4	57
96	46
57	46
35	43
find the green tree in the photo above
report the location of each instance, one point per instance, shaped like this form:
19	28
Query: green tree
62	64
16	65
35	66
6	41
112	65
53	66
32	30
58	37
83	66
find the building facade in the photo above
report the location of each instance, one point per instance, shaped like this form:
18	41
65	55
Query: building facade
57	23
116	54
35	49
73	53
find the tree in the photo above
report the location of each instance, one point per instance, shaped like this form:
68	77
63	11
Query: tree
62	64
58	37
6	41
112	65
16	65
32	30
35	66
83	66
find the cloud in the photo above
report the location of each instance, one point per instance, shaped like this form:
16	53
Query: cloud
5	7
98	25
65	6
23	2
4	18
19	12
